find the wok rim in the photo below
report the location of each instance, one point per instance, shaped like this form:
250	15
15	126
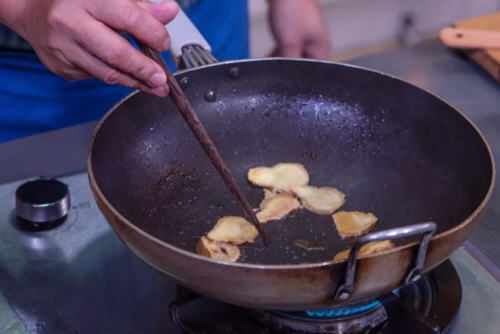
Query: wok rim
98	193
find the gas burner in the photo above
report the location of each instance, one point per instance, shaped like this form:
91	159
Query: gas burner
353	319
426	306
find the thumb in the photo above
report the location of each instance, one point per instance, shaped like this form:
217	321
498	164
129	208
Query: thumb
163	11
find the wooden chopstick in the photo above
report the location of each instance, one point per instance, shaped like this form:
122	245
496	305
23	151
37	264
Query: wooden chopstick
187	111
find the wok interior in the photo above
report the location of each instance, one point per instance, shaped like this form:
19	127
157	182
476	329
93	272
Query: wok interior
393	149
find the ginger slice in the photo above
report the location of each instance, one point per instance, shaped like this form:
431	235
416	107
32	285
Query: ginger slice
353	223
281	176
217	250
367	249
276	207
233	229
322	200
269	193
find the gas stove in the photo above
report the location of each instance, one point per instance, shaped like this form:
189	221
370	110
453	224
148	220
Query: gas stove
426	306
77	277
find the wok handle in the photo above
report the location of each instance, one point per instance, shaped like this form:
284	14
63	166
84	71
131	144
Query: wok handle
344	291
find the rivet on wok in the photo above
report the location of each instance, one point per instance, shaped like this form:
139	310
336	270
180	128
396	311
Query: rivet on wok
344	295
210	95
184	82
234	72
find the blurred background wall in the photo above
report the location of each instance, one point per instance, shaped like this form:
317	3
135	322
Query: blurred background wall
360	27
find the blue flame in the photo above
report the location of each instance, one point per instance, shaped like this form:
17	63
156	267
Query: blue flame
330	314
342	312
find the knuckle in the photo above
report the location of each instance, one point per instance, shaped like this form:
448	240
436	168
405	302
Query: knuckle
160	34
111	77
144	70
56	18
131	17
139	65
116	55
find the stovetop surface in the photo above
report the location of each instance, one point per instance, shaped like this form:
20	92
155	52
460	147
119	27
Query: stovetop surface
80	278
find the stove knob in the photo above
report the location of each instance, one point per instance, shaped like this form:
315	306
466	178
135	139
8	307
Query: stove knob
42	201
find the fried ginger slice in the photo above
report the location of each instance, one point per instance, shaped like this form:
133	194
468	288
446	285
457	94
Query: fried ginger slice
217	250
281	176
233	229
353	223
276	206
367	249
320	200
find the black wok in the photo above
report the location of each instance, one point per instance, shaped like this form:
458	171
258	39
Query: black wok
392	148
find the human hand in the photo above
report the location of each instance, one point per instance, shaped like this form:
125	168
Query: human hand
299	28
78	39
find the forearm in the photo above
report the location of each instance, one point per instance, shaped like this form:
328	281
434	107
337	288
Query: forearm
11	14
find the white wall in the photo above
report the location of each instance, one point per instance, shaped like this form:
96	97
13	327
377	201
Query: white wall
357	24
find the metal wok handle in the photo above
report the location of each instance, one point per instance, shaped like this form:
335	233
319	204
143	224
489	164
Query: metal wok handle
188	47
427	229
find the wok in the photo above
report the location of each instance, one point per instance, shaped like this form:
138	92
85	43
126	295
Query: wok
395	150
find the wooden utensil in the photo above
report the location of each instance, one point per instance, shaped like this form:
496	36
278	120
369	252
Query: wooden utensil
464	38
488	59
201	134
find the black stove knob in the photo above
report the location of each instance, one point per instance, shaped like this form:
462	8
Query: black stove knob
42	201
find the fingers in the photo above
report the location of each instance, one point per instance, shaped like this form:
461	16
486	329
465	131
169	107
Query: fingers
116	52
76	40
98	69
131	17
292	49
163	11
85	65
317	49
58	63
299	28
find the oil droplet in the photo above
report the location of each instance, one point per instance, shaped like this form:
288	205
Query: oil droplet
234	72
41	325
184	82
210	95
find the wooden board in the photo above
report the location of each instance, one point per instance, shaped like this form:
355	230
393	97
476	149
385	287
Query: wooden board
487	59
